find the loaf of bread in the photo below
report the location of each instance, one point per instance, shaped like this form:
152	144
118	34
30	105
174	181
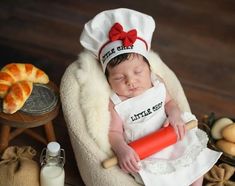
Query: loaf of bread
218	126
16	97
15	72
228	133
226	146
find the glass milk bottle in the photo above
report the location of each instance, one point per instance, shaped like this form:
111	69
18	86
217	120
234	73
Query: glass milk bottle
52	165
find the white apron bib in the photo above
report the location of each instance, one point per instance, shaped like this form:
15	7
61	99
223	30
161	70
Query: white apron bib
179	164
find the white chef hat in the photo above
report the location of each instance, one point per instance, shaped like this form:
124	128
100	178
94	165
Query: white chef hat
118	31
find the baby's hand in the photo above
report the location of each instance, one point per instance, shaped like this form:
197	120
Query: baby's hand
178	125
128	159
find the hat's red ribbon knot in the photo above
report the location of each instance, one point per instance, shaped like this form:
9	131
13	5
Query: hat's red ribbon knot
117	33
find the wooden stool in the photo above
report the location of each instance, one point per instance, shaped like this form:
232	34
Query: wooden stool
22	122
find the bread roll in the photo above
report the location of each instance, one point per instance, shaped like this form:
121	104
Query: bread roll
226	146
15	72
218	126
228	133
18	94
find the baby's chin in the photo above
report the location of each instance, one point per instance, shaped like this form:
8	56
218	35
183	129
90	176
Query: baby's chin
137	92
131	94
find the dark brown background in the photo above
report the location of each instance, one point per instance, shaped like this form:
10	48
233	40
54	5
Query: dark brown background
196	39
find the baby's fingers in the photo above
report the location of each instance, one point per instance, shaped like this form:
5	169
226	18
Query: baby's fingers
166	123
130	166
137	158
181	131
125	167
134	162
134	166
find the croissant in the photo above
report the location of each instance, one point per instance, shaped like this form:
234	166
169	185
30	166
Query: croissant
15	72
16	97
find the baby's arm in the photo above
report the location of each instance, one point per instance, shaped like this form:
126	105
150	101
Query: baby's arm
127	157
174	117
173	113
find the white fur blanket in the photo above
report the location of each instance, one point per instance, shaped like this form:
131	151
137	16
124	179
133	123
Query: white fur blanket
95	92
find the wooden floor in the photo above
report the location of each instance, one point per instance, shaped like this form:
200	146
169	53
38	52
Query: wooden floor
196	39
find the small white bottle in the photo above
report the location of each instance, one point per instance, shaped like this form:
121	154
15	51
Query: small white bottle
52	165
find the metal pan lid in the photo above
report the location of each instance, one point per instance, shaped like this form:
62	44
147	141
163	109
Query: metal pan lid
43	99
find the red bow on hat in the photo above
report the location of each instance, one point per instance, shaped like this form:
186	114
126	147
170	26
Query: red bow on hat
117	33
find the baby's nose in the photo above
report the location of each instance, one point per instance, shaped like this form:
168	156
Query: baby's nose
130	81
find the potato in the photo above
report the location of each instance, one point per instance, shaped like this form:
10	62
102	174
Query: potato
226	146
228	133
218	126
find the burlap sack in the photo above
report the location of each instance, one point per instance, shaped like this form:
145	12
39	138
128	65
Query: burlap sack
220	175
17	167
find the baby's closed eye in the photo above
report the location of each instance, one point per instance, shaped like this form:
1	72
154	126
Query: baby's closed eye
118	78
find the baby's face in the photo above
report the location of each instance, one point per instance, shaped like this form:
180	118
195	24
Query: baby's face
131	77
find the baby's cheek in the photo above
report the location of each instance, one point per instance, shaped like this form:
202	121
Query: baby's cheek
118	88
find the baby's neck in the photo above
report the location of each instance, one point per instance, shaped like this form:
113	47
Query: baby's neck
123	98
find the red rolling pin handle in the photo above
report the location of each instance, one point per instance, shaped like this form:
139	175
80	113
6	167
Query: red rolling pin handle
152	143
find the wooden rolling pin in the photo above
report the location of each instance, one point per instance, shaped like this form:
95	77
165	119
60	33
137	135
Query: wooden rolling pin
152	143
